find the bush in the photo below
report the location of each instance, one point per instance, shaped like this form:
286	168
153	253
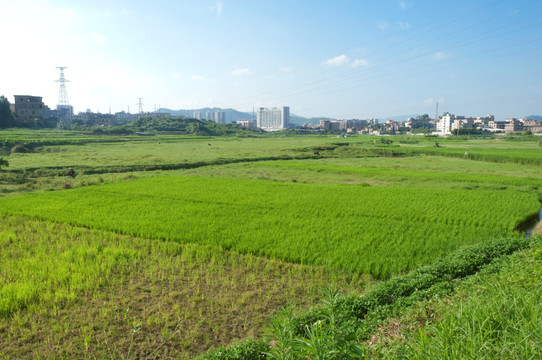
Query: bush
19	148
247	350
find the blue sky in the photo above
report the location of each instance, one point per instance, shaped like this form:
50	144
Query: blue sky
341	58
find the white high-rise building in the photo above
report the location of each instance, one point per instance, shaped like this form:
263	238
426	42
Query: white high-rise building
445	124
273	119
218	117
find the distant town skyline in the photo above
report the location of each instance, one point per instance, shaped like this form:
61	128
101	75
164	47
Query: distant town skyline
346	59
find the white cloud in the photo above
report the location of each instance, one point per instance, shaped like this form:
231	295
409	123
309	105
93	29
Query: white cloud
218	8
404	25
242	72
284	69
403	5
99	38
337	61
439	55
433	100
383	25
64	13
359	62
175	75
203	79
342	60
107	13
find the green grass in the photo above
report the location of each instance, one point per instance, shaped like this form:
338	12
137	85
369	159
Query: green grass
88	292
369	326
69	292
495	315
153	151
350	228
418	171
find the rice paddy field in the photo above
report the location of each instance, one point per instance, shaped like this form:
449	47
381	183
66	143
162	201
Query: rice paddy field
169	246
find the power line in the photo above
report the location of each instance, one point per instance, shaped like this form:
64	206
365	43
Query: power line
354	75
420	33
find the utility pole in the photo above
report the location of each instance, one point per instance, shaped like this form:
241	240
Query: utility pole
436	118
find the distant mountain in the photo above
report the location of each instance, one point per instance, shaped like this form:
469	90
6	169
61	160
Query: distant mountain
231	114
398	118
234	115
534	117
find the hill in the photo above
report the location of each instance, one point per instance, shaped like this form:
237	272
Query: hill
231	114
234	115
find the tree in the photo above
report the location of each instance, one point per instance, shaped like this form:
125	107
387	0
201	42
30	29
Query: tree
3	162
6	117
423	117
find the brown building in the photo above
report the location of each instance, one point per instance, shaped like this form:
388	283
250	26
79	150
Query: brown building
532	125
496	124
28	107
325	124
513	125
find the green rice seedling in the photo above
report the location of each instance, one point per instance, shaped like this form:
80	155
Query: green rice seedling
347	228
73	279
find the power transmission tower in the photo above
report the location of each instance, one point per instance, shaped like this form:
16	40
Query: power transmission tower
65	111
140	105
62	93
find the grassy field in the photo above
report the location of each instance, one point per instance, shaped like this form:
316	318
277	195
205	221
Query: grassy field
348	228
416	171
495	315
78	293
145	151
126	261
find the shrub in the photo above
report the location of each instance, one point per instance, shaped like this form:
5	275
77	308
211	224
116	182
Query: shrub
247	350
19	148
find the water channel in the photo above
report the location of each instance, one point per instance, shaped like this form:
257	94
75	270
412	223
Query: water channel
531	225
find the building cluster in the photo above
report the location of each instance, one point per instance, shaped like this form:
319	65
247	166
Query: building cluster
248	123
29	109
218	117
449	124
350	125
446	125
